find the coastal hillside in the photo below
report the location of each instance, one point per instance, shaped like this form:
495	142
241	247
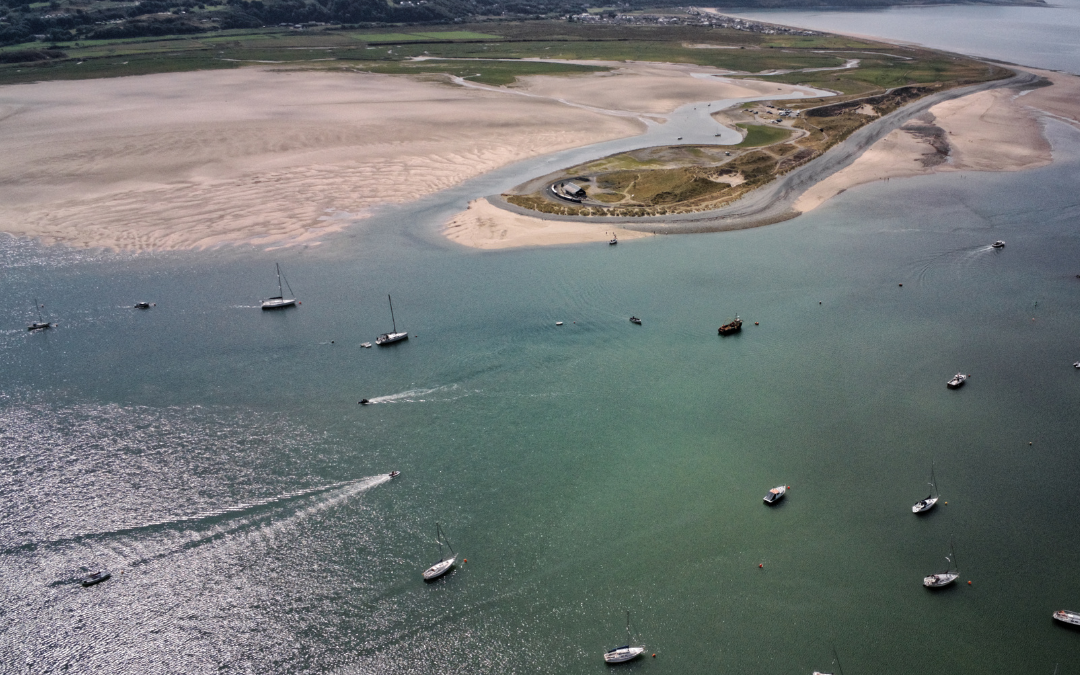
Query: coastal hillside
57	21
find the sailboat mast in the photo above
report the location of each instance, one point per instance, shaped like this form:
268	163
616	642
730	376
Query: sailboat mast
277	266
38	308
392	312
837	657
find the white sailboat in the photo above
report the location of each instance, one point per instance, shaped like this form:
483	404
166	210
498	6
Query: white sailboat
443	566
279	301
947	577
41	323
924	505
627	652
394	335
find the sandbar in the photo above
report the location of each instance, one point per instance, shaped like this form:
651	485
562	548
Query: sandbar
273	157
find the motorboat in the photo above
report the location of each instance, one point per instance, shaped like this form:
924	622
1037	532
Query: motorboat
957	380
924	505
394	335
776	494
636	320
41	323
729	328
395	474
365	345
614	240
943	579
1076	365
627	652
279	301
96	578
142	305
364	401
1067	616
998	244
443	566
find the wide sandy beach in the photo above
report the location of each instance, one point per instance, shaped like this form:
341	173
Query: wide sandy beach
271	158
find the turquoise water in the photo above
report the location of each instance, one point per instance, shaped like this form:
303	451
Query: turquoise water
216	454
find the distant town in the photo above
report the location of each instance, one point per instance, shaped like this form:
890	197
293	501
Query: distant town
695	17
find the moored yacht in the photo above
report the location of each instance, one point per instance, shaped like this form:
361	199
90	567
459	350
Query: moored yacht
443	566
279	301
96	578
627	652
957	380
393	336
942	579
776	494
41	323
924	505
729	328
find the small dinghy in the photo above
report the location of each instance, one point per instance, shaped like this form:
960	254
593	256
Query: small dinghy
998	244
627	652
96	578
942	579
636	320
1067	616
365	345
614	240
443	566
957	380
924	505
395	474
776	494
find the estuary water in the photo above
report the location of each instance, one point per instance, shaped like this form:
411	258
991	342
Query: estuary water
214	456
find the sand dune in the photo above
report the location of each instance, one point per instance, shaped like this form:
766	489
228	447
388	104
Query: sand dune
254	156
995	130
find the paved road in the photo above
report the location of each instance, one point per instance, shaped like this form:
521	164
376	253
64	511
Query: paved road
773	202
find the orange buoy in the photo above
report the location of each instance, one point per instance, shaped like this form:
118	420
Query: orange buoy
465	560
789	487
654	656
755	323
762	566
946	503
969	583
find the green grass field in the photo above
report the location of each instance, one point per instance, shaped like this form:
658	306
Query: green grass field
758	135
389	51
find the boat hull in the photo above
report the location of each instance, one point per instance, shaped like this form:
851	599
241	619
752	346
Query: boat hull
924	506
391	338
775	495
438	569
1066	617
38	326
96	578
940	580
623	654
278	303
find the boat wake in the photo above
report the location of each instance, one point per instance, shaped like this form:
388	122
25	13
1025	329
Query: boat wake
432	395
956	261
131	543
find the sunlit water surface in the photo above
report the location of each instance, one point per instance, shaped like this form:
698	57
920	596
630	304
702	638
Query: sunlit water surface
214	457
